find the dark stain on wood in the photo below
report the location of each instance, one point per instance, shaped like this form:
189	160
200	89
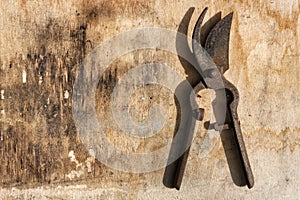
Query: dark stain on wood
37	129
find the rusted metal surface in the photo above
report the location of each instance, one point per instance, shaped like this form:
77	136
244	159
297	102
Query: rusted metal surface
211	49
217	45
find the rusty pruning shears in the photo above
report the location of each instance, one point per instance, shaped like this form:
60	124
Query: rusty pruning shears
210	47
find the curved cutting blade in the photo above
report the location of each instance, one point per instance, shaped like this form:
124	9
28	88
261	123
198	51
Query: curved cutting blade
212	78
217	43
208	26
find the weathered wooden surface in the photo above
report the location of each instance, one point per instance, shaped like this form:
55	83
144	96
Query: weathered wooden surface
42	44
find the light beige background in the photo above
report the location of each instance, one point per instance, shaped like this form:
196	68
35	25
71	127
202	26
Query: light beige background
264	65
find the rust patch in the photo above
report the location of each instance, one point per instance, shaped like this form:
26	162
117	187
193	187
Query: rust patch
288	139
23	4
239	60
284	20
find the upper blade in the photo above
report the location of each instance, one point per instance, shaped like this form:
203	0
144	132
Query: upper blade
212	78
217	43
